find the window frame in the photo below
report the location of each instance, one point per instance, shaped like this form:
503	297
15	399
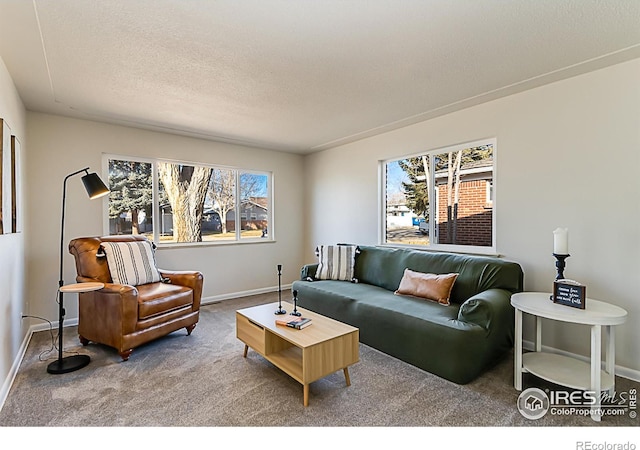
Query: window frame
454	248
238	239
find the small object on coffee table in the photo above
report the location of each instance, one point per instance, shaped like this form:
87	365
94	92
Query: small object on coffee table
295	311
298	323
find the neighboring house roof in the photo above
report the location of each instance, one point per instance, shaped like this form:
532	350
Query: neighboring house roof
259	202
469	168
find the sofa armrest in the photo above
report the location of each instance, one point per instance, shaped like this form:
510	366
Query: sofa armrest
308	271
488	309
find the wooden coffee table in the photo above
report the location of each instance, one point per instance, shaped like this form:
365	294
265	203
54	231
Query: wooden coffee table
306	355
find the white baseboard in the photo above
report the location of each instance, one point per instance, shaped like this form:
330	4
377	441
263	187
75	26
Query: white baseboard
8	382
623	372
234	295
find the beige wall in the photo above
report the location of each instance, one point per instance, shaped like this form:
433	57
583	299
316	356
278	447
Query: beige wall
12	300
568	154
59	146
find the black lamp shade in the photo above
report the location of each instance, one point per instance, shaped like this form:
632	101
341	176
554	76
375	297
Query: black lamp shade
94	186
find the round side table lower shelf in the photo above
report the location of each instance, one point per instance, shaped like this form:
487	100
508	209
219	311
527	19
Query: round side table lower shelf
564	370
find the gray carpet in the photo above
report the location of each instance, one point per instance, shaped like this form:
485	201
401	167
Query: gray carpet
202	380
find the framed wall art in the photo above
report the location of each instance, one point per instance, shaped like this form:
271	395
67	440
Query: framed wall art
16	226
5	179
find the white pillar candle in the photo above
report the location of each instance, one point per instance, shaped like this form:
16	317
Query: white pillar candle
561	241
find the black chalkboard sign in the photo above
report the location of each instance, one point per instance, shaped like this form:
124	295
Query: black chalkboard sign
570	293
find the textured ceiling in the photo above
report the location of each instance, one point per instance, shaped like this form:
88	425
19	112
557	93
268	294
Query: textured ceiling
298	75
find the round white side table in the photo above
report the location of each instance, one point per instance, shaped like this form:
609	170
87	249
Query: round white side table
565	370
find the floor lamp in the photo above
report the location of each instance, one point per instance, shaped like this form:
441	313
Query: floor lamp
95	189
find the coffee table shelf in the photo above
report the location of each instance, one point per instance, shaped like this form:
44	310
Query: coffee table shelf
305	355
289	361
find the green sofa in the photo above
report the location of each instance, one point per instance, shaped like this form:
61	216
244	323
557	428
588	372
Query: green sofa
456	342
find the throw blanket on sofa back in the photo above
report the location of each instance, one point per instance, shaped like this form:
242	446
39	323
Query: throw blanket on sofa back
457	341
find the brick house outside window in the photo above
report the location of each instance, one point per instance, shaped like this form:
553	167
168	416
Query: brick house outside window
474	222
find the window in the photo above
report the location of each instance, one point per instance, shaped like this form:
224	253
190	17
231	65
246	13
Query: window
443	198
131	197
173	202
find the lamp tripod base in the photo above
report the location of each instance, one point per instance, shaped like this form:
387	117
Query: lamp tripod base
68	364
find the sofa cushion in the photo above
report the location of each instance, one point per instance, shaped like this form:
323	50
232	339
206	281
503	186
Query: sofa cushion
131	263
354	302
336	262
427	285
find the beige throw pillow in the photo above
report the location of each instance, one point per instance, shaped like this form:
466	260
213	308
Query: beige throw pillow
427	285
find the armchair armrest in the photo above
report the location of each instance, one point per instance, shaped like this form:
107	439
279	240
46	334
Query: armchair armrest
183	277
114	303
488	309
191	279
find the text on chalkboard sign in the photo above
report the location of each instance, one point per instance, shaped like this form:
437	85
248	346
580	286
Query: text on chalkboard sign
570	293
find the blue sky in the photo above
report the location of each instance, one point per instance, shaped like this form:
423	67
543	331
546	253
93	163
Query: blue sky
395	176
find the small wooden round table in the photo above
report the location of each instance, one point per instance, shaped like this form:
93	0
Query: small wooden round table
81	287
74	362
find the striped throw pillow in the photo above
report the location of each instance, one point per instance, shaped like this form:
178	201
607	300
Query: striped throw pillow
131	263
336	262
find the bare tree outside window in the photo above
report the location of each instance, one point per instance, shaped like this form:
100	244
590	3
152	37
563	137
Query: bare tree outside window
222	195
254	204
186	189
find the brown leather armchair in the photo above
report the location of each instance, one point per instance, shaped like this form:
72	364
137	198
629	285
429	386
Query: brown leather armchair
124	316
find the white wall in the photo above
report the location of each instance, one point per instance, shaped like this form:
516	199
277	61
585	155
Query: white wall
59	146
568	154
12	301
